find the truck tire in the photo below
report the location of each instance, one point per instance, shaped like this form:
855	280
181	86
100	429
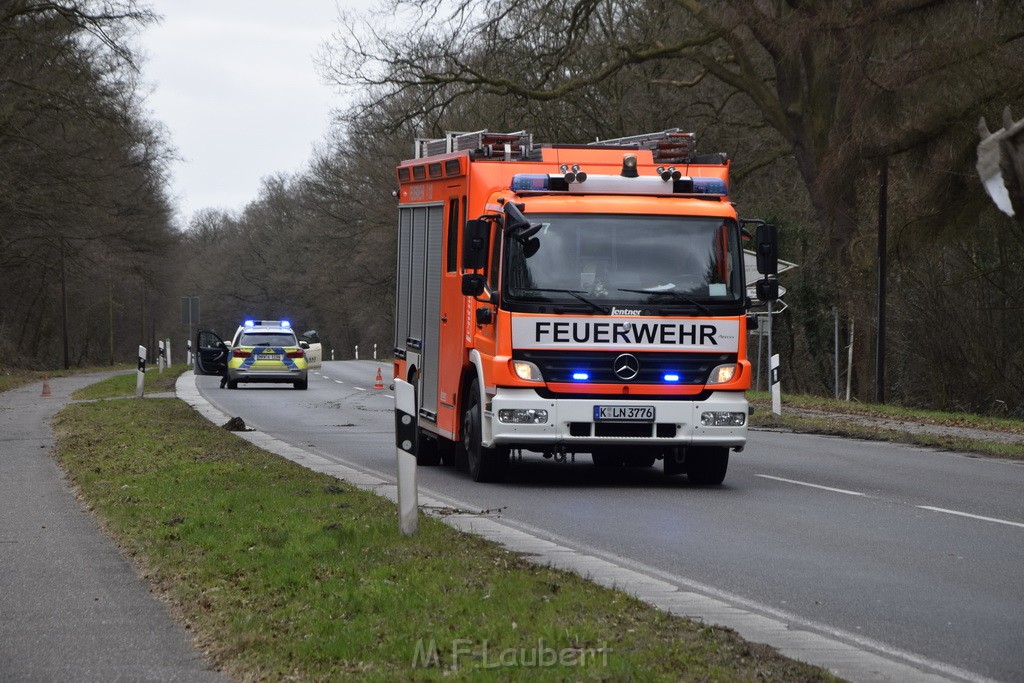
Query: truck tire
706	465
485	464
428	454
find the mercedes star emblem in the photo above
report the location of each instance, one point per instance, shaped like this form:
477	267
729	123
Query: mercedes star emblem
626	367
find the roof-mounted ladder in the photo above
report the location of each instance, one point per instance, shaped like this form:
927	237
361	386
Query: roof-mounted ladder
668	147
480	144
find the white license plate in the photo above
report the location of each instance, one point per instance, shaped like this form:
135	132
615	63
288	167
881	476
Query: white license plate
624	413
270	356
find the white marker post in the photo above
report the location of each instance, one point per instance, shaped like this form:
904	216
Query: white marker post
160	357
140	376
167	352
188	353
405	443
773	369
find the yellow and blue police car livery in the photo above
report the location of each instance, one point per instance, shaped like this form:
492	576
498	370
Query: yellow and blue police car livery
267	351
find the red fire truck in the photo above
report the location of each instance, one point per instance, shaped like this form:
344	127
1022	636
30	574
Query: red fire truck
574	299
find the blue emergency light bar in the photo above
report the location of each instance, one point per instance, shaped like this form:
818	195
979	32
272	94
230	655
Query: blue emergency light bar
249	324
612	184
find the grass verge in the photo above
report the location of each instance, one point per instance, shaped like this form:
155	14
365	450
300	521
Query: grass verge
877	423
12	378
120	386
283	573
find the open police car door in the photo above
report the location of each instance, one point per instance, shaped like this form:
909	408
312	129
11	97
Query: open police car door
313	348
211	354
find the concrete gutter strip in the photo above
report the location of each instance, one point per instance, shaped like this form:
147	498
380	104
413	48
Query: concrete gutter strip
845	655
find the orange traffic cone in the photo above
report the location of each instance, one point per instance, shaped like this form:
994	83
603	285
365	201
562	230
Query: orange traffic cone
380	381
46	386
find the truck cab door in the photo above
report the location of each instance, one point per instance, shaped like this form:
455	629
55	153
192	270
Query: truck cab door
211	353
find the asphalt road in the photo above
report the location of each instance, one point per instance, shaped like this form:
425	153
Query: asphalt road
908	551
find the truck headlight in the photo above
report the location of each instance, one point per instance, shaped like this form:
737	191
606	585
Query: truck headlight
722	374
530	416
721	418
527	371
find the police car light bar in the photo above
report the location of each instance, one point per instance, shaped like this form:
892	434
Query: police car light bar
249	324
523	183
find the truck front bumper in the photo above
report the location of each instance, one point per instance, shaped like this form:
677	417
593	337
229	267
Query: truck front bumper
719	420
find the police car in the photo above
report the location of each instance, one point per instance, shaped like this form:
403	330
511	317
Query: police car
260	351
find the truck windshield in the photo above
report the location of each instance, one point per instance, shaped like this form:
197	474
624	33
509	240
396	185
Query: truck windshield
657	260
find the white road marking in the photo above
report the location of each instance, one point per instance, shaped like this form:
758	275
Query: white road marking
360	389
813	486
338	381
967	514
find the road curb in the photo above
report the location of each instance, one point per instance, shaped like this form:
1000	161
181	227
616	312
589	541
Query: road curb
846	655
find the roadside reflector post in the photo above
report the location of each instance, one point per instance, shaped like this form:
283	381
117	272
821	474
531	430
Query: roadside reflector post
357	351
140	376
167	352
405	443
773	369
160	357
188	353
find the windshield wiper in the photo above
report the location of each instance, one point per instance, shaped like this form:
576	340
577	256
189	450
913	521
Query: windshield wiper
572	292
675	294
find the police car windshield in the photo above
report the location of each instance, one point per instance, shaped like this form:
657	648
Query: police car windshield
628	258
267	339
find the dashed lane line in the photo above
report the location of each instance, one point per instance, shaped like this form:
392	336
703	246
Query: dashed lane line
968	514
813	486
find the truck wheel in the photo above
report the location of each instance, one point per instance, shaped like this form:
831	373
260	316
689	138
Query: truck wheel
428	453
706	465
485	464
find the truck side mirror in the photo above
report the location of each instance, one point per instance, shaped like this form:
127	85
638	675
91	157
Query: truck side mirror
768	289
473	284
767	250
475	242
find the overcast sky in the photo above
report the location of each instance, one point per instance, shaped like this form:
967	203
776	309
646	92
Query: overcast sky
235	85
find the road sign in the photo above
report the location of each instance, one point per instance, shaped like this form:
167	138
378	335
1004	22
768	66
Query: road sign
189	310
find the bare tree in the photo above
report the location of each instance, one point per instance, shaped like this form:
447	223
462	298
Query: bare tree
82	172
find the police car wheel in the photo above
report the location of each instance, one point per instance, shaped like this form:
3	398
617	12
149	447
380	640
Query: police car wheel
232	384
304	384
